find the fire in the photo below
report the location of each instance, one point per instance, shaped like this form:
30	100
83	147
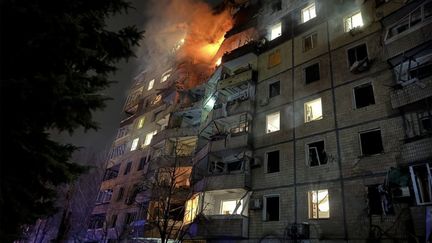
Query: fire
211	48
219	61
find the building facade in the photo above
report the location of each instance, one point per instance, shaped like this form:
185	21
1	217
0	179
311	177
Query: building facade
316	126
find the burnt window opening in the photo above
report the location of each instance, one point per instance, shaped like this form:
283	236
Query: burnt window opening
312	73
316	154
274	89
422	71
142	163
272	208
277	6
357	54
371	143
120	193
234	166
379	200
273	162
364	95
128	168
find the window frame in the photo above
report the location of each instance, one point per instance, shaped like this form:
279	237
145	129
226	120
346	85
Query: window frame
264	211
350	16
305	112
354	94
269	88
267	122
355	46
311	36
310	65
239	209
307	9
276	26
360	142
307	153
310	204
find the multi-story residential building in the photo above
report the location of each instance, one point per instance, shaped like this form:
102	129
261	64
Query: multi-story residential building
317	125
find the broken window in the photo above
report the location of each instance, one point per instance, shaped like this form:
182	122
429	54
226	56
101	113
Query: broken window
319	206
308	13
379	200
134	144
276	31
141	122
312	73
149	137
120	193
150	85
310	42
217	167
353	21
422	183
273	161
231	207
142	163
364	95
234	165
271	208
273	122
274	59
176	212
274	89
371	142
357	54
316	154
313	110
422	71
128	168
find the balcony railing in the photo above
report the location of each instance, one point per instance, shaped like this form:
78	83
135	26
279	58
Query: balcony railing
220	226
230	142
417	150
237	107
411	93
236	79
174	133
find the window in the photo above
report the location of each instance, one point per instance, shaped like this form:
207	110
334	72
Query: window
274	89
149	137
422	183
312	73
165	76
364	95
273	122
421	71
142	163
353	21
191	209
315	154
308	13
113	221
141	122
273	161
274	59
128	168
271	208
230	207
104	196
425	122
379	200
150	85
134	144
120	193
276	31
313	110
357	54
129	218
310	42
96	221
371	142
111	172
319	207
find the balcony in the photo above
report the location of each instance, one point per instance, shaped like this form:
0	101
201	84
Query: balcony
232	141
417	149
220	226
236	79
174	133
233	108
223	181
411	93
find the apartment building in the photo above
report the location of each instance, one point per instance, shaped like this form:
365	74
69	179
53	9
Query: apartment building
316	126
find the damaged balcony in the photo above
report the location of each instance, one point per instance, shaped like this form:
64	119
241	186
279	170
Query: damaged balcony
174	152
224	214
417	149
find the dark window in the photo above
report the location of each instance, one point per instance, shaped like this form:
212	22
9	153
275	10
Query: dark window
120	194
317	154
312	73
176	212
310	42
357	54
128	168
234	166
426	123
272	208
112	172
96	221
142	163
274	89
277	6
371	142
364	95
379	2
129	218
422	71
113	221
273	162
379	201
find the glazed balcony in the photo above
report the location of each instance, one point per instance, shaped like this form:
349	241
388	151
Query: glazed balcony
220	226
411	93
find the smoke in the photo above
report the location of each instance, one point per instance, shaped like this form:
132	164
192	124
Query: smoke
180	30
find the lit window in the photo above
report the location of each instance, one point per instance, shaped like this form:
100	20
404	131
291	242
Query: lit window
276	31
315	154
310	42
149	137
150	85
308	13
165	76
191	209
229	206
313	110
319	207
273	122
134	144
141	122
371	142
353	21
